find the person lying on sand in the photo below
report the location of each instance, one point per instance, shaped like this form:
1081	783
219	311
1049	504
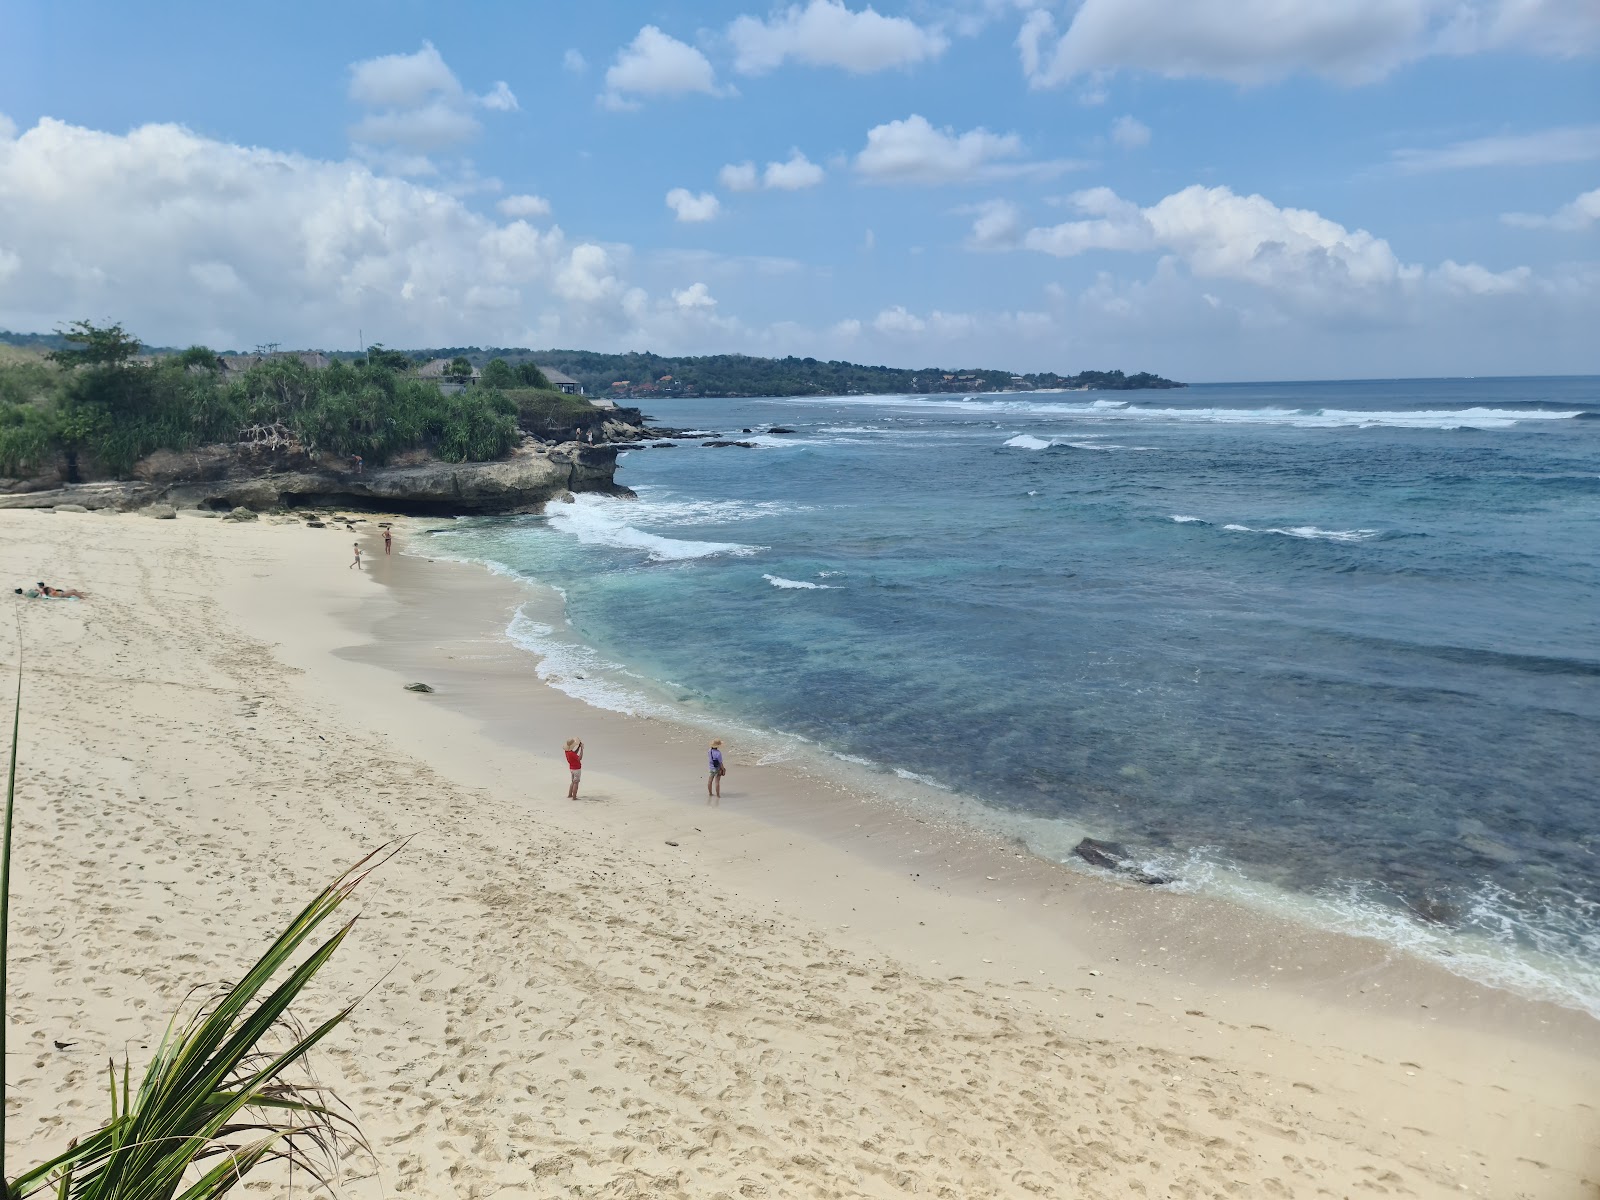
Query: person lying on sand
54	593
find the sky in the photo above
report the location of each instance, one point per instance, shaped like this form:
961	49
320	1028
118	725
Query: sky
1207	189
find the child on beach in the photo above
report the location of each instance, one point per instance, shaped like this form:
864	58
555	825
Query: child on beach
574	764
357	563
718	769
388	541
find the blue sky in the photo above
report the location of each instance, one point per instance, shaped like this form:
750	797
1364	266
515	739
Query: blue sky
1211	189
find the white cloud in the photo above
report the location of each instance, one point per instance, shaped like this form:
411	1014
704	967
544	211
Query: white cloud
524	206
689	207
739	177
190	239
825	33
402	80
1256	41
792	176
1569	218
1130	133
913	151
417	104
434	126
1294	254
500	99
1220	234
798	173
897	321
998	226
656	64
1546	147
575	62
10	263
696	295
1474	280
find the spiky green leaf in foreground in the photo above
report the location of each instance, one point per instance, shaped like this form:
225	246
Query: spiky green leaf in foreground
226	1091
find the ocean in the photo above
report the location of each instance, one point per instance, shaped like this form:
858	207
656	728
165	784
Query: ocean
1329	649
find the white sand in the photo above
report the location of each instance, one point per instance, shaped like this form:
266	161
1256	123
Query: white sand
565	1004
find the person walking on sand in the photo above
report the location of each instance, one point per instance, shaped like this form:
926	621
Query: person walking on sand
388	541
718	769
575	765
357	563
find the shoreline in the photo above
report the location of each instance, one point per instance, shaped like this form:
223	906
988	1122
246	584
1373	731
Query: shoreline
786	998
910	805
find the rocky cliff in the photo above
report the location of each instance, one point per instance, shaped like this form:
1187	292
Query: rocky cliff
280	474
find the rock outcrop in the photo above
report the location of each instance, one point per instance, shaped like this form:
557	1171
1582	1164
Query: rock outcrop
1113	856
256	477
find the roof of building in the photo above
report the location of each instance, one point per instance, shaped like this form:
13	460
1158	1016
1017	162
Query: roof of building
439	368
243	362
556	377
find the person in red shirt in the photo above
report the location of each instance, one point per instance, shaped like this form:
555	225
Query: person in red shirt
574	764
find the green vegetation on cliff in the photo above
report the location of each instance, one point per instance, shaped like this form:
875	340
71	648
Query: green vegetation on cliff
95	407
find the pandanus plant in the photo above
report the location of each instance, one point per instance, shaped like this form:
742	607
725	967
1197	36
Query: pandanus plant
228	1090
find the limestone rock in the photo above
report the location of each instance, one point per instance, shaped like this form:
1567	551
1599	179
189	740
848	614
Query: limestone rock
71	508
418	687
161	512
242	514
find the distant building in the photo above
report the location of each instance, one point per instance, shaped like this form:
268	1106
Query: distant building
561	382
439	368
438	371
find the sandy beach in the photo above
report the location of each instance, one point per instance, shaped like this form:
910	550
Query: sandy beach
796	993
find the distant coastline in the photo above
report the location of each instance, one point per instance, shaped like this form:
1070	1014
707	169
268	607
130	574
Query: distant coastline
645	376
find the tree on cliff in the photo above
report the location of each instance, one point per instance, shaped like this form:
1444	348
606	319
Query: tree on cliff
497	373
90	345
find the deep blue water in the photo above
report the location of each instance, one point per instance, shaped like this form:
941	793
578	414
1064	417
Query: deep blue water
1335	642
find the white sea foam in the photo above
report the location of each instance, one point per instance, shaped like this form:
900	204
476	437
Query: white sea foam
604	521
580	671
778	581
1027	441
1316	418
656	506
925	780
1311	533
1183	520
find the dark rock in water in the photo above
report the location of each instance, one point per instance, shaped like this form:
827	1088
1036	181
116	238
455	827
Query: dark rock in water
1110	855
779	429
664	445
747	431
1434	912
418	687
718	442
1113	856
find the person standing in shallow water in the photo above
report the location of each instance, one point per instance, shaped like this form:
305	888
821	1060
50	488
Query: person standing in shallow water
388	541
574	764
718	770
357	563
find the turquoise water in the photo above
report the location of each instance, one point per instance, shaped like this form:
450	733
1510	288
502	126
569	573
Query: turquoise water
1332	648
